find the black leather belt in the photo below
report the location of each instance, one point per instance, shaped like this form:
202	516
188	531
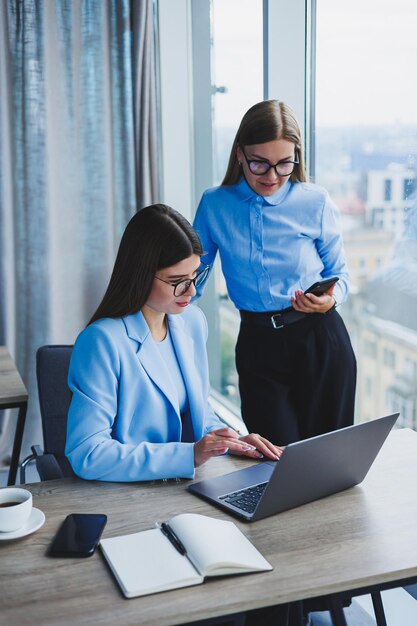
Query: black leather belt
272	319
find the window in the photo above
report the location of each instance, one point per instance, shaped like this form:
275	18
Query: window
378	218
406	405
211	58
389	358
408	188
370	348
364	122
387	190
366	148
237	78
237	83
411	369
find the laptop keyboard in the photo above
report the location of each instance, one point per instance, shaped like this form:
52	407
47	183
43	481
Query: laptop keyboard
245	499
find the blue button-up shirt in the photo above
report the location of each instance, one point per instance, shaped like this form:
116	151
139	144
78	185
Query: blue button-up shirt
271	246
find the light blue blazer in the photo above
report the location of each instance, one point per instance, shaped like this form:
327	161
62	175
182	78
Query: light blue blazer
124	421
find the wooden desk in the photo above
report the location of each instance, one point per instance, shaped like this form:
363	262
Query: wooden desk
364	536
13	395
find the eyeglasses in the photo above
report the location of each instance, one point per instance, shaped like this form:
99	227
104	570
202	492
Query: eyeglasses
282	168
182	286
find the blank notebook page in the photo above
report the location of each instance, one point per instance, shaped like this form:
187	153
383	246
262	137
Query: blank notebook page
217	546
147	562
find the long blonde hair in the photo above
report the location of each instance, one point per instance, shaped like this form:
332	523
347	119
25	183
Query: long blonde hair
266	121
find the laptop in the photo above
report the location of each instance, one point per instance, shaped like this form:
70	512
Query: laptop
307	470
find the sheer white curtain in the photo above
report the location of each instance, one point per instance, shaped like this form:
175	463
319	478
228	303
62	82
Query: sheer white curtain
77	159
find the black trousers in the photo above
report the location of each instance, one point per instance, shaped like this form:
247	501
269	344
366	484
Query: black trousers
297	381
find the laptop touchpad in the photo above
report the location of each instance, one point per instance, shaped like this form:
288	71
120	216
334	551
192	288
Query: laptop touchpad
244	478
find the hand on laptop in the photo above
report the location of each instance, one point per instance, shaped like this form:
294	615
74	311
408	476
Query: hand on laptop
220	441
263	447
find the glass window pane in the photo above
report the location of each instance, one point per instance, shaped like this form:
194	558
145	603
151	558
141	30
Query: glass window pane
237	62
366	155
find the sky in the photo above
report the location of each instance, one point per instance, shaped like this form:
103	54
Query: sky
237	58
366	60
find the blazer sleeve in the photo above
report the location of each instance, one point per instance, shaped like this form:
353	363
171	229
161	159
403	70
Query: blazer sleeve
93	452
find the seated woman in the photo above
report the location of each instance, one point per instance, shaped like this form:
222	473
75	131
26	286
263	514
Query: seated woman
138	372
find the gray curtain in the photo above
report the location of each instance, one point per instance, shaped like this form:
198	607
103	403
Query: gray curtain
77	159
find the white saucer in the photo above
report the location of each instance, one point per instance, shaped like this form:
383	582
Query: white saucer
35	521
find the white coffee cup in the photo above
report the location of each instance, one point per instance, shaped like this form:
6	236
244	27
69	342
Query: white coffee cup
15	508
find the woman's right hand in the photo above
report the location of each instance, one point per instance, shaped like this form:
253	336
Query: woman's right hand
309	303
218	442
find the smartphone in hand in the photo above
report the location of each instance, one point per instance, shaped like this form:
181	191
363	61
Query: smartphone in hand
321	286
78	535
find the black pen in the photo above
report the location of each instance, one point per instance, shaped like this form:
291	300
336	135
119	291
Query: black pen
169	533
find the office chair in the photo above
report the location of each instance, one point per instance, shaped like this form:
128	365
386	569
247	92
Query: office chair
52	363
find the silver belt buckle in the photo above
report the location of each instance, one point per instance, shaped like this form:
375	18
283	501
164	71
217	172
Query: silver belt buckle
277	325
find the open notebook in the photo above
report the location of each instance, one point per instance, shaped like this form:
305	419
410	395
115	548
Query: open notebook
149	561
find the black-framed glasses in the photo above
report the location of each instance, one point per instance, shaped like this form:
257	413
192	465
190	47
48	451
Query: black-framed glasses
182	286
259	167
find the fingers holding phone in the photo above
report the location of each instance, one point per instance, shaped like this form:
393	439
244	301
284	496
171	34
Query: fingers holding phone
318	298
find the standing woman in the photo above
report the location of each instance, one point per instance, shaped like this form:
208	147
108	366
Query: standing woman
278	234
138	372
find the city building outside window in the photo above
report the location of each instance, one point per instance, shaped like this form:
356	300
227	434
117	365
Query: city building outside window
366	156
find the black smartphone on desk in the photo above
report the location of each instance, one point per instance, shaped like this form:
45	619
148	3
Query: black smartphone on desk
78	535
321	286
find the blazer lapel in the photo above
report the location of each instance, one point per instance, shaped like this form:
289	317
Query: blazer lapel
150	358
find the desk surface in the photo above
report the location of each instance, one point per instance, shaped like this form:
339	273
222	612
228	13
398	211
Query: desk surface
12	388
363	536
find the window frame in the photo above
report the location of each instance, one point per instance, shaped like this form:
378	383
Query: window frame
184	35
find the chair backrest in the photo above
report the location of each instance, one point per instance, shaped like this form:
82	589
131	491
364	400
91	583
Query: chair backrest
52	364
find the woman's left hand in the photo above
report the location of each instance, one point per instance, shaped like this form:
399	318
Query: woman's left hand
262	445
309	303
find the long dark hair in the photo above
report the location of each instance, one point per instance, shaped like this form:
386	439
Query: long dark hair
266	121
155	238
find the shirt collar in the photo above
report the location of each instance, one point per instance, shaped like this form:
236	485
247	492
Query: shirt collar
246	192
